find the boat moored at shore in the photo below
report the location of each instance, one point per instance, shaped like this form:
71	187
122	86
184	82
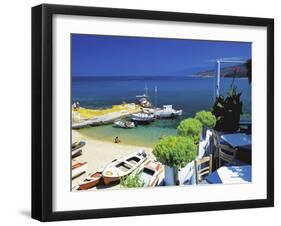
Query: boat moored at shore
124	124
123	166
78	168
151	172
91	180
167	112
76	148
143	117
78	144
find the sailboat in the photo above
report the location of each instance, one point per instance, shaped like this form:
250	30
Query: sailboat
144	100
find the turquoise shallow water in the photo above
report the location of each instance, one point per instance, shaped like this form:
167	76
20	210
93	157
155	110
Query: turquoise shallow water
142	135
191	94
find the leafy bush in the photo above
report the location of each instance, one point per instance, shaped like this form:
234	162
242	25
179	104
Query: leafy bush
190	127
228	110
175	151
131	181
207	119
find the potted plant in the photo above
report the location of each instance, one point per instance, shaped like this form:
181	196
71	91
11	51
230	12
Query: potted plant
190	127
227	111
208	121
174	152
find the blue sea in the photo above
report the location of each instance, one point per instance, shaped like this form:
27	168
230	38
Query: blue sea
191	94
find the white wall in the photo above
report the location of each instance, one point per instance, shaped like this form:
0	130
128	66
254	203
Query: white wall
15	102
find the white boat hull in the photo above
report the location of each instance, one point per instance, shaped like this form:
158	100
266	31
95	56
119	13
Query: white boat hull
76	152
167	112
143	117
123	124
123	167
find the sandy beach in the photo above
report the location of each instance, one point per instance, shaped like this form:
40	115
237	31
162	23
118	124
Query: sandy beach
99	153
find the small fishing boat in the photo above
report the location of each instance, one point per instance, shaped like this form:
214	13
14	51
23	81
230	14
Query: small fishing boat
124	124
167	112
76	148
75	153
143	100
78	144
143	117
150	173
91	180
123	166
78	168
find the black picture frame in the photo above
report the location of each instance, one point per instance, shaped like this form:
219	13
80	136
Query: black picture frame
42	111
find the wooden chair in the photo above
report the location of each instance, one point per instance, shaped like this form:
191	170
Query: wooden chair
227	154
216	145
199	173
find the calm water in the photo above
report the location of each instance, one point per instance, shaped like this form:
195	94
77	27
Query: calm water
191	94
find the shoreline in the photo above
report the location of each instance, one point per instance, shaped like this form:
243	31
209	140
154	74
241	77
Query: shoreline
109	141
84	117
99	153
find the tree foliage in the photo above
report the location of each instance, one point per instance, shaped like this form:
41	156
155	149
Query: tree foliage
175	151
207	119
228	110
191	128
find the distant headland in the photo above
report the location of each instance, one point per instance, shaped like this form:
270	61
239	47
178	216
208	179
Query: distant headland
239	71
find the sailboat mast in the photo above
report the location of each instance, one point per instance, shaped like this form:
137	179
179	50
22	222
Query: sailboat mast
146	89
155	96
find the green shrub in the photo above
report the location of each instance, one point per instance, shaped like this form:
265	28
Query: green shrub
227	111
207	119
175	151
131	181
190	127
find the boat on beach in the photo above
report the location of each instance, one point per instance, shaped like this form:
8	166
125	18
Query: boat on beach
123	166
92	180
78	168
124	124
76	153
76	148
167	112
142	117
151	172
77	145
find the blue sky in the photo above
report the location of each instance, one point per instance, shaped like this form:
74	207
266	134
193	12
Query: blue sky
98	55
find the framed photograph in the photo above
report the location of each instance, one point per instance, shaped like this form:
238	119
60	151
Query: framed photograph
146	112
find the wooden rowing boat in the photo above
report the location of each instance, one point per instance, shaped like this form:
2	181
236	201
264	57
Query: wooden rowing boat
75	153
76	148
123	166
150	173
92	180
77	145
78	168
